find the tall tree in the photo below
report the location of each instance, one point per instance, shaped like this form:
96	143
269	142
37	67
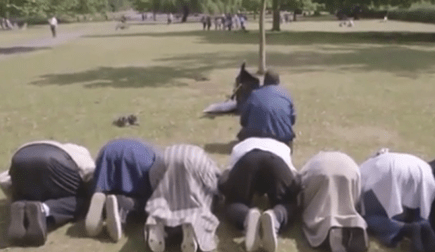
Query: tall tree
262	55
276	5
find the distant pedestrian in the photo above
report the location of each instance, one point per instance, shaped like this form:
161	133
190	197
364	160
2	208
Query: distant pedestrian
242	22
204	23
170	18
53	25
208	21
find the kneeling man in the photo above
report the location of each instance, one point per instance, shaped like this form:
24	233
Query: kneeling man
47	185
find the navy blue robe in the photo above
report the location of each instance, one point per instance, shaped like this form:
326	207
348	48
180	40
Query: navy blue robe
122	167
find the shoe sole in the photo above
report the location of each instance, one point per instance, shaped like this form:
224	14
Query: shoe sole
156	238
16	230
336	240
270	241
94	217
113	220
189	243
252	241
36	231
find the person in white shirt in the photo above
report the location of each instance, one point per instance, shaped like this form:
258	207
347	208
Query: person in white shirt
53	25
260	166
47	184
398	192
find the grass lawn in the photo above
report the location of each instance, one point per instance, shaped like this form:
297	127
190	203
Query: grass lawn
355	90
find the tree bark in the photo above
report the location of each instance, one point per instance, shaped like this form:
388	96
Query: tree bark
262	58
276	4
185	13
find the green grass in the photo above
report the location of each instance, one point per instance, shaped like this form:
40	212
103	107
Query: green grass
355	90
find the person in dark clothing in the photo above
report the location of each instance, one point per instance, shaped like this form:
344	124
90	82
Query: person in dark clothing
208	22
46	183
260	166
268	112
122	185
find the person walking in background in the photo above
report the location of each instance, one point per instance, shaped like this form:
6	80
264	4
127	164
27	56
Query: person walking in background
170	18
53	25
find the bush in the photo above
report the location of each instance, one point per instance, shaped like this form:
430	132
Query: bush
424	15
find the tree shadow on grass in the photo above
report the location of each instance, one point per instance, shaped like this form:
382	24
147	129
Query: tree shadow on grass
396	59
125	77
20	49
291	37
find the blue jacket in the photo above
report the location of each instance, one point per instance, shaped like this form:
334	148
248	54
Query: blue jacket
269	112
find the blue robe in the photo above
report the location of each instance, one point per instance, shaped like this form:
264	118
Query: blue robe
123	166
268	112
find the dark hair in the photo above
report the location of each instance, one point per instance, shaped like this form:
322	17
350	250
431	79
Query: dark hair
271	78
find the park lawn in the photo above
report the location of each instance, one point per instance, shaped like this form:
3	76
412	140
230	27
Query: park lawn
355	90
13	37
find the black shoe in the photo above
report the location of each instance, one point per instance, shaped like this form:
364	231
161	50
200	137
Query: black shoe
16	230
37	230
355	239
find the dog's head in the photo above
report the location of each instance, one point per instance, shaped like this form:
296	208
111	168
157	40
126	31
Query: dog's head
245	84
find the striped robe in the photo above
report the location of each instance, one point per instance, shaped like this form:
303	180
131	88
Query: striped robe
185	193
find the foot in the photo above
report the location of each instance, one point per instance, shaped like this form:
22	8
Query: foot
252	228
428	237
16	230
269	228
37	229
336	240
189	243
94	217
156	237
113	220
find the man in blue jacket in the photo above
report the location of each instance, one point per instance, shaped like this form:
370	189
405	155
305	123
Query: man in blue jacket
268	112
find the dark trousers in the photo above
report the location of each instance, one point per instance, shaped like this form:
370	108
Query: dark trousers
53	30
260	172
47	174
390	231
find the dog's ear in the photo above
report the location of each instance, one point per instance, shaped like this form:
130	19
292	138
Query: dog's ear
242	68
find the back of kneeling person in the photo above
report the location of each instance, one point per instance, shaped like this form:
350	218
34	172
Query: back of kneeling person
183	198
48	188
260	166
332	188
398	193
122	184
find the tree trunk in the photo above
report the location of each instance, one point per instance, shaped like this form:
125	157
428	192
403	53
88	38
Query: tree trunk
294	16
154	16
262	58
255	15
185	13
276	15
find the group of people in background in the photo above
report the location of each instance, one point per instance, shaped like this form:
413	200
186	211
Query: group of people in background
225	22
176	188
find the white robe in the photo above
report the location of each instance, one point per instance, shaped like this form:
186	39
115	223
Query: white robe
399	180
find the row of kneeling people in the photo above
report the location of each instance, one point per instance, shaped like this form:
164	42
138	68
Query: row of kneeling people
51	183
